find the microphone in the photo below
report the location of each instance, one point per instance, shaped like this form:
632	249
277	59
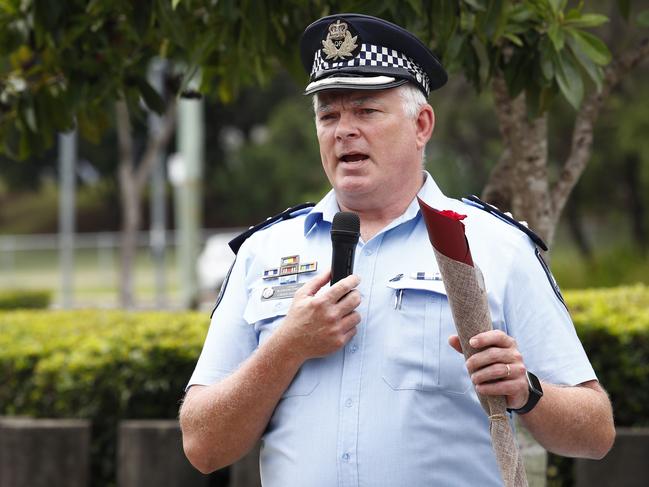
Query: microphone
345	230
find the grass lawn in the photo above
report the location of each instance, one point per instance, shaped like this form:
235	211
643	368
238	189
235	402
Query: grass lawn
96	276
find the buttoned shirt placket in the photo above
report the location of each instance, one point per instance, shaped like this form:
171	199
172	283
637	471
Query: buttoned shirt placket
352	371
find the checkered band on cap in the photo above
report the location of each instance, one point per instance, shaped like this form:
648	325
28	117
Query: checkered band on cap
372	55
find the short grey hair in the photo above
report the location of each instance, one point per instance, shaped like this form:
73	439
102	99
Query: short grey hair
412	97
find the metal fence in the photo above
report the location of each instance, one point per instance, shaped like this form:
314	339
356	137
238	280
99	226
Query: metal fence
33	262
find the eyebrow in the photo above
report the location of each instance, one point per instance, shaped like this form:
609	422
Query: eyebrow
364	99
325	106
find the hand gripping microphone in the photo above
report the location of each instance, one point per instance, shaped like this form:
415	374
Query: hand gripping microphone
345	230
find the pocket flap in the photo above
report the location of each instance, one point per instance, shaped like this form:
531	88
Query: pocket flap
431	285
259	309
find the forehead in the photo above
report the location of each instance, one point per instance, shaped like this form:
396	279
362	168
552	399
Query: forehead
333	97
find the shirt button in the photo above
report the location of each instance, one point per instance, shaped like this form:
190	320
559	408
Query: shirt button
346	457
348	403
369	251
354	348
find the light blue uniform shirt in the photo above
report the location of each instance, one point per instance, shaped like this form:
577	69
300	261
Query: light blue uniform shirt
395	406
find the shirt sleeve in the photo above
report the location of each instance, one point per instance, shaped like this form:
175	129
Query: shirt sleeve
537	318
230	339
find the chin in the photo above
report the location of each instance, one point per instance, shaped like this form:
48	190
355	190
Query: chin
352	184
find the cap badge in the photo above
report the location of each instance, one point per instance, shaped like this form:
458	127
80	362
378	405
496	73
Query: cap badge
339	42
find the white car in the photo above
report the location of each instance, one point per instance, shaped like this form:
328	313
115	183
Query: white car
215	260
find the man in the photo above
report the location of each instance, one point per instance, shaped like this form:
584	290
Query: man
362	382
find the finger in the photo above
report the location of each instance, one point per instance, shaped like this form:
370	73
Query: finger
350	321
495	372
312	286
349	334
493	355
349	302
499	388
492	338
454	341
343	287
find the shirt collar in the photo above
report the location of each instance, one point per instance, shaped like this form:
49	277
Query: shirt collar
327	207
325	210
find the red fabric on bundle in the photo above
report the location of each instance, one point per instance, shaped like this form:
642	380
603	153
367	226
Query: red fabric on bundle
448	238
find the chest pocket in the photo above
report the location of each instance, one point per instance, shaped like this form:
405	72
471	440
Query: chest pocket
266	316
416	353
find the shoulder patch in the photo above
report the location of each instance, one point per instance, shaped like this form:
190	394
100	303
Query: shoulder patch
553	281
507	218
236	243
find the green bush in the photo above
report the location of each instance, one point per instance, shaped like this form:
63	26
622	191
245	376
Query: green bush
613	325
24	299
102	365
110	365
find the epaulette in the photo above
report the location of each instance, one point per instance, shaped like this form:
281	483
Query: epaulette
236	243
506	217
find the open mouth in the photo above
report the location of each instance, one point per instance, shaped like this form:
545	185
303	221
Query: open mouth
353	157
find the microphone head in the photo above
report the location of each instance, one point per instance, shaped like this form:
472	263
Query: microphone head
346	223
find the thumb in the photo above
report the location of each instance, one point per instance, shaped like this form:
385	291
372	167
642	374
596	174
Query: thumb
312	286
454	341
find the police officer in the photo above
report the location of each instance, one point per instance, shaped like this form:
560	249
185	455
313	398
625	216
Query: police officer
362	382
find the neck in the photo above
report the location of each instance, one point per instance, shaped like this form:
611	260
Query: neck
376	217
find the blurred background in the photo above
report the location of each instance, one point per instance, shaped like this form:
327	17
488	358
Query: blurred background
256	154
138	138
261	156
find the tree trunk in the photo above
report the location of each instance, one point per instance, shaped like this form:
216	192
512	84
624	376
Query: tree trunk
519	181
576	227
131	182
498	190
129	199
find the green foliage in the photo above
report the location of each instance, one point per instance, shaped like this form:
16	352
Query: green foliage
24	299
61	62
614	266
613	325
102	365
278	172
36	212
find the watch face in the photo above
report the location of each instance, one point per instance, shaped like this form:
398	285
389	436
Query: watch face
535	383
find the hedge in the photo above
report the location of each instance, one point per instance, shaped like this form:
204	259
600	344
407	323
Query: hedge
109	365
24	299
102	365
613	325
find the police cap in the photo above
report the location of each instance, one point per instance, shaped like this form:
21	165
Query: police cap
354	51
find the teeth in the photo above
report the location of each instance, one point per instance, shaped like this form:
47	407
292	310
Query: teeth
353	157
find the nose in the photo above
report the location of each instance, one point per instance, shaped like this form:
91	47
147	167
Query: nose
346	127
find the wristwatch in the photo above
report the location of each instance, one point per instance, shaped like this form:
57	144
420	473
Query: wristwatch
536	392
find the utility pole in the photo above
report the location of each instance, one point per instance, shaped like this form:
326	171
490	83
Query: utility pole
67	189
189	171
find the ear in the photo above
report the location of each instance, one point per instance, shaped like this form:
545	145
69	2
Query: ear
425	124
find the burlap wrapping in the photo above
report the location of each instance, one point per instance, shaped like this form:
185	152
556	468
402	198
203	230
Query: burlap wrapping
468	300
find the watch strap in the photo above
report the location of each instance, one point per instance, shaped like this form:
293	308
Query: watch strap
535	394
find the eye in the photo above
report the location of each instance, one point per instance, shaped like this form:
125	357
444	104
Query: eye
368	111
326	117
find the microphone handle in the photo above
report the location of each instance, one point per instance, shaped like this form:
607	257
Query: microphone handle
342	260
